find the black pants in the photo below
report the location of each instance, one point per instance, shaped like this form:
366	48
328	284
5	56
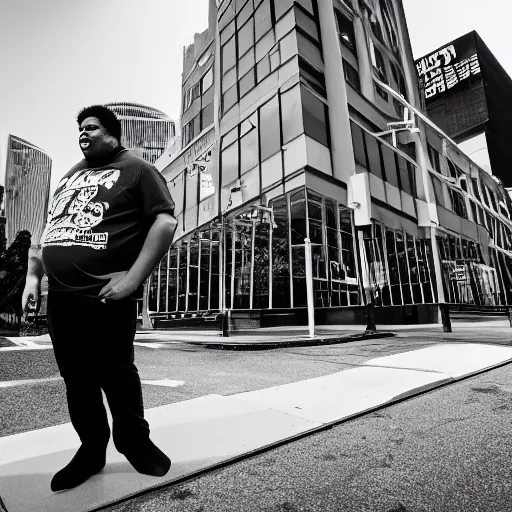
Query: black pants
93	345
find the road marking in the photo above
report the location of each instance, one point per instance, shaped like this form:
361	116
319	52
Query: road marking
24	347
149	345
14	383
164	382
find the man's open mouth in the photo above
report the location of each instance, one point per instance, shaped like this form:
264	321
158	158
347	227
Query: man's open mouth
84	144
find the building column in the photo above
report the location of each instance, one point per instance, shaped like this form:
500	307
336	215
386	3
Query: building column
343	161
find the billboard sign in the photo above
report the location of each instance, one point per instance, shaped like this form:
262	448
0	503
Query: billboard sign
449	66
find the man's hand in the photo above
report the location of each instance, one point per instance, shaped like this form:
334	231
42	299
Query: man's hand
118	287
31	298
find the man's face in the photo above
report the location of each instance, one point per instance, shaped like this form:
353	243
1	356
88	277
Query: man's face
95	141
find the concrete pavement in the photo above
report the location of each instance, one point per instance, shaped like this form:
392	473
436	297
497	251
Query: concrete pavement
212	430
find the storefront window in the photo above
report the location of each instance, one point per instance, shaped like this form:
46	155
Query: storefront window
182	282
413	270
261	265
403	267
243	261
298	221
394	273
215	276
280	255
193	275
228	264
162	269
424	271
204	285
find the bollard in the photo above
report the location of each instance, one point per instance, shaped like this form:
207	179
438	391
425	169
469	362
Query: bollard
445	315
309	287
225	324
370	319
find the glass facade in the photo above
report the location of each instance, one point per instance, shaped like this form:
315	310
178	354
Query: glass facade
27	189
145	130
263	257
401	267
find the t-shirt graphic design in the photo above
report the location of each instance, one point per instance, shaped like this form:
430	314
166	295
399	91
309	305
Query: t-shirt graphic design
74	212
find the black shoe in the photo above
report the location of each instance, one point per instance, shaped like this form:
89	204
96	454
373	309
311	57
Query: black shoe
83	465
148	459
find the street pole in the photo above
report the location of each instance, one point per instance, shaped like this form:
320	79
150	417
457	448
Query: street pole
309	287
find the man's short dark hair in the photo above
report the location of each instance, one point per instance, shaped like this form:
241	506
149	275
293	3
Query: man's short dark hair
105	116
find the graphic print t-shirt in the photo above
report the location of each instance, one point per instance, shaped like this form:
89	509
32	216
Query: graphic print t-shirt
99	219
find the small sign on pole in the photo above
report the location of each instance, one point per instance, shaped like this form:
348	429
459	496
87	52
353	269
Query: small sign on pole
309	287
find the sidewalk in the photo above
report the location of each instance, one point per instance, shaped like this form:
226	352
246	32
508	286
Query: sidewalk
260	339
282	337
207	432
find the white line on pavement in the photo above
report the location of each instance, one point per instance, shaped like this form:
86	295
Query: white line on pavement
164	382
14	383
24	347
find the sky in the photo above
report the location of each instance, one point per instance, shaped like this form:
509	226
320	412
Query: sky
57	56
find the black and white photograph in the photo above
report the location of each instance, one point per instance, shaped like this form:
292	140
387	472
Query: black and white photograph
255	256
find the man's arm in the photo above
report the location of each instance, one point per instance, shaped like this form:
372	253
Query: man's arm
157	243
35	272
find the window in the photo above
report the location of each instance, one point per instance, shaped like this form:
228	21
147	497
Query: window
458	203
438	191
207	116
207	80
352	76
358	144
345	30
315	116
263	20
372	147
247	83
399	79
314	78
388	158
379	64
306	24
230	164
281	7
249	148
474	211
381	92
246	37
228	55
406	171
435	158
309	51
291	114
229	99
476	191
270	135
484	193
453	170
280	255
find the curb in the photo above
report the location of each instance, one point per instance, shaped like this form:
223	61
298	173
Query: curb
302	342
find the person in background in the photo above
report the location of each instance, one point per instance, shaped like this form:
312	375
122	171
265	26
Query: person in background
111	221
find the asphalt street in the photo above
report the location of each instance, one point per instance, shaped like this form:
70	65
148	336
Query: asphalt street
446	450
38	402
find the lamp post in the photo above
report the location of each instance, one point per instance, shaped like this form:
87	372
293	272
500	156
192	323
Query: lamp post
309	287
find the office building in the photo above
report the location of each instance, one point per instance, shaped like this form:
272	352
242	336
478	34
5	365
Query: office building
317	133
468	94
145	130
3	239
27	189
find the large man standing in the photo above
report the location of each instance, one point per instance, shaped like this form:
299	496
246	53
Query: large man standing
110	222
